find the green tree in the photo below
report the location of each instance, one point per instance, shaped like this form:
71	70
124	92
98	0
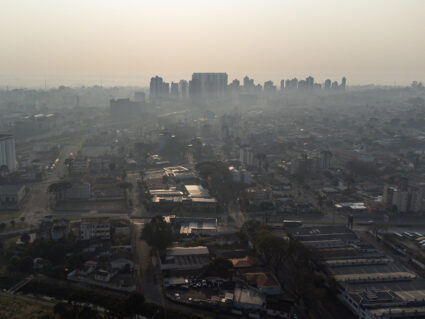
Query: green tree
126	187
273	249
220	267
158	233
250	227
13	264
134	304
25	264
219	179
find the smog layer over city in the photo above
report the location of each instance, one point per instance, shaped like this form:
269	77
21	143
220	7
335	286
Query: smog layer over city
200	159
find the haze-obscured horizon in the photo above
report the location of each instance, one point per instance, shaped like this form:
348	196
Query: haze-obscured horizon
126	42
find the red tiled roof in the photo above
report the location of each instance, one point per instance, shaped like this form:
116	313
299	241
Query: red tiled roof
261	279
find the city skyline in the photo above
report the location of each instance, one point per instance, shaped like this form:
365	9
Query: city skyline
127	42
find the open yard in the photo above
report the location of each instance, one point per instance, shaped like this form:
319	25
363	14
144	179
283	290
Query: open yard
17	307
9	214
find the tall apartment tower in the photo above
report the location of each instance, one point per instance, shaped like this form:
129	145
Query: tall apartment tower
156	88
269	87
174	89
208	85
183	88
328	84
7	151
309	82
343	83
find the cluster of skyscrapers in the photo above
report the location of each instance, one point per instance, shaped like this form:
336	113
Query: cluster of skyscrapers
160	89
214	85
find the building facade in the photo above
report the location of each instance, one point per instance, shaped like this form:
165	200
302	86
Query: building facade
95	228
208	85
7	152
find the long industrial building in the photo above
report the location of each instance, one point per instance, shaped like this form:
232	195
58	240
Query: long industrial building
372	284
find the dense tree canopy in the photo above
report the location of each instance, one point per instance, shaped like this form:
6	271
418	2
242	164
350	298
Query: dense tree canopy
220	267
158	233
220	182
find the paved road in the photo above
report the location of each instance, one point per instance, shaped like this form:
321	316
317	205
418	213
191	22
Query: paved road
37	205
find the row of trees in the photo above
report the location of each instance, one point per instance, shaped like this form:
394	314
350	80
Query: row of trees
114	305
57	256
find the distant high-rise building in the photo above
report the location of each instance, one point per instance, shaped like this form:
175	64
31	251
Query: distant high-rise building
292	84
183	88
343	83
7	152
309	82
174	89
302	85
334	85
282	85
325	159
248	84
403	199
165	89
235	85
269	87
156	88
208	85
328	84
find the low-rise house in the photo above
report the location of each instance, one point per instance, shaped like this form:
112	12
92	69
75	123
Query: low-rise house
103	275
53	230
122	263
265	282
121	227
39	263
95	228
248	299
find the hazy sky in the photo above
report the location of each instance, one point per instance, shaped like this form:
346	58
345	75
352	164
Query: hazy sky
127	41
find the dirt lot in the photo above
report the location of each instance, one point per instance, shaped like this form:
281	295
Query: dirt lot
16	307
